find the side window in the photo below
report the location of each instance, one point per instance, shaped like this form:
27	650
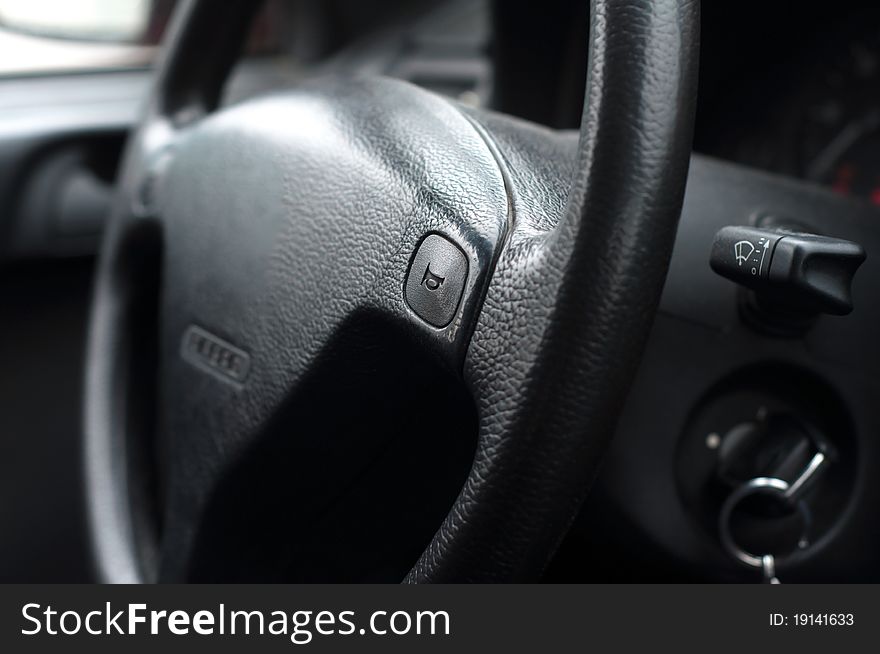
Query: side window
61	36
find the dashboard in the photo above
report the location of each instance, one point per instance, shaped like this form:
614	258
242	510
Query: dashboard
795	97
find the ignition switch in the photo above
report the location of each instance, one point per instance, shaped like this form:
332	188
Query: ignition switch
767	467
768	460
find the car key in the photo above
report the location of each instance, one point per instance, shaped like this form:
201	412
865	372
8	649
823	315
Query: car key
768	568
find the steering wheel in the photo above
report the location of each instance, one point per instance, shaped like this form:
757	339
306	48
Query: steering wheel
284	278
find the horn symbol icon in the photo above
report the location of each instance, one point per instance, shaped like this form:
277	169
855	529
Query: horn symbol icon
432	281
743	250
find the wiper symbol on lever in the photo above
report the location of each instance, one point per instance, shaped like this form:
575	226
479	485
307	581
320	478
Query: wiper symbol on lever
743	250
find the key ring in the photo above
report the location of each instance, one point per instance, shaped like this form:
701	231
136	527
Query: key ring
758	485
788	493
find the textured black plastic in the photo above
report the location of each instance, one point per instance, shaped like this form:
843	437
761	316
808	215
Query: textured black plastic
574	293
814	274
287	227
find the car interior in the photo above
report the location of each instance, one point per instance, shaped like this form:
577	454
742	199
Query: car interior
441	291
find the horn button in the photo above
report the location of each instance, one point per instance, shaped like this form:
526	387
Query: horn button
436	280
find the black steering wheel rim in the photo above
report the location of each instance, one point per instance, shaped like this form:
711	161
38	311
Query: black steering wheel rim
563	322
